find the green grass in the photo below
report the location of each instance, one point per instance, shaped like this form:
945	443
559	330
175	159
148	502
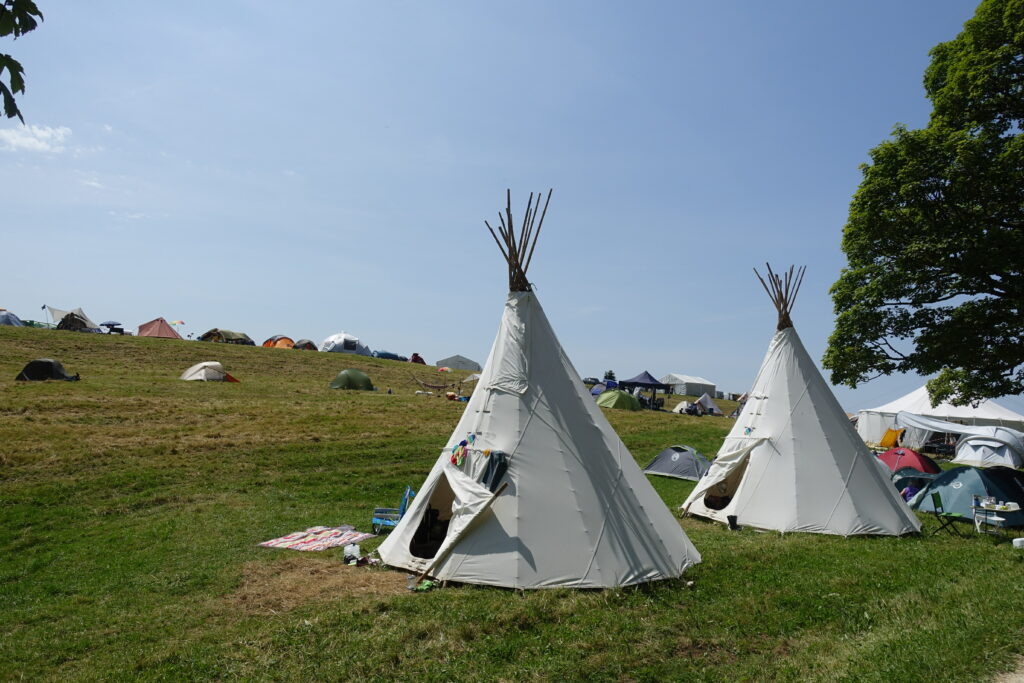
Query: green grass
131	504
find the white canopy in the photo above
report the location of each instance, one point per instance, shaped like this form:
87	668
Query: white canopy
793	461
57	315
979	445
872	423
577	511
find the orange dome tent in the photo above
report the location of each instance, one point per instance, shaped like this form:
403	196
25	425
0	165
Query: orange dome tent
279	341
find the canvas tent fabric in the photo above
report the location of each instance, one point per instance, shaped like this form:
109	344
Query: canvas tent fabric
458	362
688	385
957	486
344	343
158	327
709	405
226	337
681	462
279	341
577	512
42	369
872	423
57	315
207	371
616	398
9	319
305	345
978	445
681	407
792	461
352	379
75	323
899	457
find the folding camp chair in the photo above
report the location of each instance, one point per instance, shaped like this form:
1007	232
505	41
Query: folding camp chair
388	518
946	519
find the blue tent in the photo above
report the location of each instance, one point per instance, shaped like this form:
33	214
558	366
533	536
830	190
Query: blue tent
8	318
959	484
598	389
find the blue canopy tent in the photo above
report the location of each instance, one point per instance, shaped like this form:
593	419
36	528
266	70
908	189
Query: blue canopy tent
645	381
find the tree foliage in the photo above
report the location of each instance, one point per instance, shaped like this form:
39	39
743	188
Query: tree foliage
935	235
17	17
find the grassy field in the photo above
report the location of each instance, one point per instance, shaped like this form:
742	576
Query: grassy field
131	504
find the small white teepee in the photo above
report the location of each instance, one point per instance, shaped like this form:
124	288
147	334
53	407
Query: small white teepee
534	488
793	461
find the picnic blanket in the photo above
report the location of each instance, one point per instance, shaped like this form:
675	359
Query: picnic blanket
319	538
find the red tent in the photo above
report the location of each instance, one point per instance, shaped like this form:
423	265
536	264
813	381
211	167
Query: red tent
157	328
896	458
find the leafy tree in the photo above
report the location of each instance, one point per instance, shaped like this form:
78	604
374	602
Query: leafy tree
609	374
17	17
935	235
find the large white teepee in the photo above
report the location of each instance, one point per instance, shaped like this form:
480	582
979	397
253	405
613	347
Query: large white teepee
793	461
534	488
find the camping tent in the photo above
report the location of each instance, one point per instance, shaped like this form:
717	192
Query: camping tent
305	345
793	461
74	322
688	385
681	407
981	445
344	343
389	355
957	486
352	379
616	398
158	327
872	423
57	315
458	362
534	488
226	337
42	369
899	457
279	341
709	405
209	371
8	318
598	389
681	462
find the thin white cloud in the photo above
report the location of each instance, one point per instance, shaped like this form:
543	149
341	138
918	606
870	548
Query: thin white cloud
34	139
92	182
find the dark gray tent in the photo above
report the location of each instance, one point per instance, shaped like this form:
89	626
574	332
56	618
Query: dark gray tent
42	369
681	462
8	318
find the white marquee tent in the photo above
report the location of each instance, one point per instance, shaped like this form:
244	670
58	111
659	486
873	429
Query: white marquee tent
793	461
872	423
534	489
688	385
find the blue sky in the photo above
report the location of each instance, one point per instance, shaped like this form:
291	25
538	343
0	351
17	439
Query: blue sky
313	168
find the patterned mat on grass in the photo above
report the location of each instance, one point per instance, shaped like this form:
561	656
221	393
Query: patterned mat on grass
318	538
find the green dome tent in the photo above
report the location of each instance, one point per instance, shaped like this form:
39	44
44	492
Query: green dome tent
352	379
618	399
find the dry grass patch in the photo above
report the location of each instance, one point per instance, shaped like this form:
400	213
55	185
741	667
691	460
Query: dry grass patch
298	580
